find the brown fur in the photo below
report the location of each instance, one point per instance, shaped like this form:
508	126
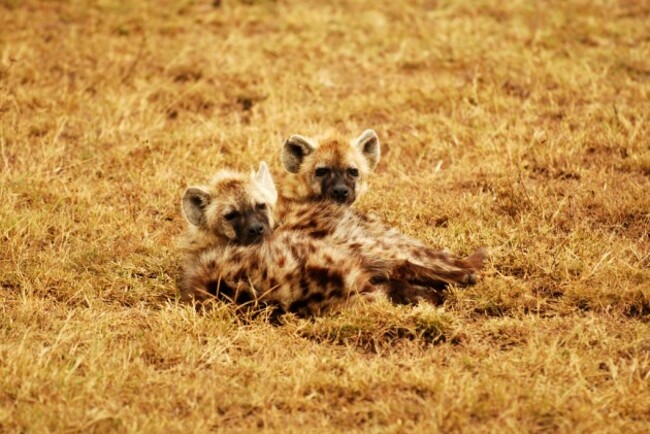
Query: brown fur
367	233
407	259
303	284
319	257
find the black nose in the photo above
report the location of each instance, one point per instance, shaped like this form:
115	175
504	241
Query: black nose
341	192
255	229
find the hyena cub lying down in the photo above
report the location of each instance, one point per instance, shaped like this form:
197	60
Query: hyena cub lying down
236	250
336	170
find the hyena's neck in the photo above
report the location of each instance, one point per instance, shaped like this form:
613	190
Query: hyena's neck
286	206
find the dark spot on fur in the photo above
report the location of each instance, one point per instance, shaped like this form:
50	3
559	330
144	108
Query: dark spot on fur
319	274
336	292
336	279
220	290
243	297
304	285
317	297
211	287
312	223
300	307
305	306
239	276
297	254
318	234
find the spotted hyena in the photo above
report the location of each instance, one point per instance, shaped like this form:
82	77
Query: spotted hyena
337	170
236	250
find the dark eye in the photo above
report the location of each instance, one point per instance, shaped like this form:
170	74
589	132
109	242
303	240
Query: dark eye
322	171
231	215
261	206
353	172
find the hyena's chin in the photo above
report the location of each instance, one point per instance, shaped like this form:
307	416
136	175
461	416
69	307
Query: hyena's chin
343	201
249	241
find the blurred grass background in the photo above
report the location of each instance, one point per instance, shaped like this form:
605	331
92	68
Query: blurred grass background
521	126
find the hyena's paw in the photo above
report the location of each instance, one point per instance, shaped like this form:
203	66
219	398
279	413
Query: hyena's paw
473	264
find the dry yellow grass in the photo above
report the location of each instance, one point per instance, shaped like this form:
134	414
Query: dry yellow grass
522	126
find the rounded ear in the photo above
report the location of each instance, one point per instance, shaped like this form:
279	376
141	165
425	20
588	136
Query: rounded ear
368	144
294	151
264	178
195	201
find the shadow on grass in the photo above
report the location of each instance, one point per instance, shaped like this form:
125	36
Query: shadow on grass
376	327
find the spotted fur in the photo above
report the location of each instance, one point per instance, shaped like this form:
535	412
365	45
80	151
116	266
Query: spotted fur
317	258
316	215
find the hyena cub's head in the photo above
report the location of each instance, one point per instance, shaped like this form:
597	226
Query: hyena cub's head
234	206
332	169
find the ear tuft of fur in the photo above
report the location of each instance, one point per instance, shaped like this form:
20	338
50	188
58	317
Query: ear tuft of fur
368	144
265	180
195	201
294	151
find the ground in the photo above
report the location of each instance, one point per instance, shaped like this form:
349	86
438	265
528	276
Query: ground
521	126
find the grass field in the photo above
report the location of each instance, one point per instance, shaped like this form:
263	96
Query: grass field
523	126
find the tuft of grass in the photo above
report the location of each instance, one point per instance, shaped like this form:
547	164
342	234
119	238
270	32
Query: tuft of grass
379	327
519	126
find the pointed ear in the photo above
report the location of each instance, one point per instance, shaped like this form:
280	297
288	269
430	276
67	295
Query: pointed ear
368	144
195	201
264	178
295	149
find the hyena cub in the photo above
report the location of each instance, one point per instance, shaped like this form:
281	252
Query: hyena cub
233	252
336	170
333	169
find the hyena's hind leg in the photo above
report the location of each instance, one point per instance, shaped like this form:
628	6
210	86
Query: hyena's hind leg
439	270
406	282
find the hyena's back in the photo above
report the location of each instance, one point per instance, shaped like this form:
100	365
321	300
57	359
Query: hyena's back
366	236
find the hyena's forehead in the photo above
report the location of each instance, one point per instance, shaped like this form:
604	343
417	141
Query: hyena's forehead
338	153
229	190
